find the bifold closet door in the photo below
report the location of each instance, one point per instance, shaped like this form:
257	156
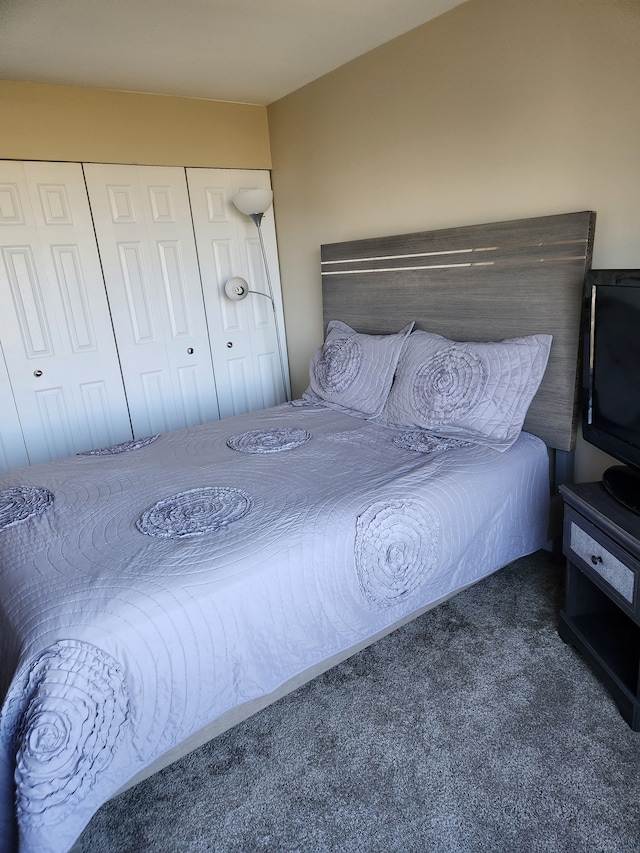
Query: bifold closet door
145	239
55	331
244	343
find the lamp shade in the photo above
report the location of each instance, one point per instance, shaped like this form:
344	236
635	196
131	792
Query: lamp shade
236	288
253	201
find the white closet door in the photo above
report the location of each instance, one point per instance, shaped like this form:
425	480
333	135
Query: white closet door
243	335
145	238
54	325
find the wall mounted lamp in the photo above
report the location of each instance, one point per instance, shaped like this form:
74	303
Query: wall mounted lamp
254	203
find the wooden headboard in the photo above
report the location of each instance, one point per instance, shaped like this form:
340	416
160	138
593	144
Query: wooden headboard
477	283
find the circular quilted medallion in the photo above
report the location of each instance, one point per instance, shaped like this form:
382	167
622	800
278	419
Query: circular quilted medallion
194	513
78	708
339	364
423	442
395	549
123	447
22	503
268	440
448	385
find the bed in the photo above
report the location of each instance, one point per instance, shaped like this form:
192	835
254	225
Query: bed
155	593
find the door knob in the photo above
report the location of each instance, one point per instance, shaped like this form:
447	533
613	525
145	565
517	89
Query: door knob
229	344
190	350
37	373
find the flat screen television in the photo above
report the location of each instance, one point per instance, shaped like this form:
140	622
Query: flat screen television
611	392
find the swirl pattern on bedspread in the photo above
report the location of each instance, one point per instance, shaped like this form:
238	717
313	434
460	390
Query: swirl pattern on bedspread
268	440
422	442
77	706
306	403
449	384
123	447
395	549
22	503
194	512
339	364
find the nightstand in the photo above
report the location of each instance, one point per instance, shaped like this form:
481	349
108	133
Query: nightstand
601	616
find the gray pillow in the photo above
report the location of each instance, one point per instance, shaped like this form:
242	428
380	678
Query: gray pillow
353	372
475	391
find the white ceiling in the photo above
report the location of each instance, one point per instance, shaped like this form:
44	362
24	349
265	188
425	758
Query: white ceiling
250	51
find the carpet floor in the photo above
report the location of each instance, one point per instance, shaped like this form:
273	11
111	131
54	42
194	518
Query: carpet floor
472	729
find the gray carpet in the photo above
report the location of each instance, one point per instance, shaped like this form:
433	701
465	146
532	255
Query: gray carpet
474	728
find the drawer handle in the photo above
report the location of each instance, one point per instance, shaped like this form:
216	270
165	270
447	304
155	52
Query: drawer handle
595	560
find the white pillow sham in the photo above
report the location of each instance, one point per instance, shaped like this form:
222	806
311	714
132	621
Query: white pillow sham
471	390
352	371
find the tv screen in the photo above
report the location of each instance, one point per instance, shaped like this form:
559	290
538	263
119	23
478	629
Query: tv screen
611	414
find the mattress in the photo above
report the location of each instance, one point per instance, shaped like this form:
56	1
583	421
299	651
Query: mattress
148	588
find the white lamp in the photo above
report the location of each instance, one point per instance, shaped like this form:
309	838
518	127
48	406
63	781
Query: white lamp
254	203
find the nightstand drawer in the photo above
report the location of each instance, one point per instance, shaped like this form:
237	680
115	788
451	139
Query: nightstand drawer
602	559
599	560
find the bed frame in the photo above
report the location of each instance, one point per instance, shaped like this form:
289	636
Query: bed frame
485	282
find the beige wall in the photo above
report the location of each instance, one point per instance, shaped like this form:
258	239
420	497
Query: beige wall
98	125
498	109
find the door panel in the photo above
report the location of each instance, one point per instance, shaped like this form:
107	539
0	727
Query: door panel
13	453
145	238
242	333
55	328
